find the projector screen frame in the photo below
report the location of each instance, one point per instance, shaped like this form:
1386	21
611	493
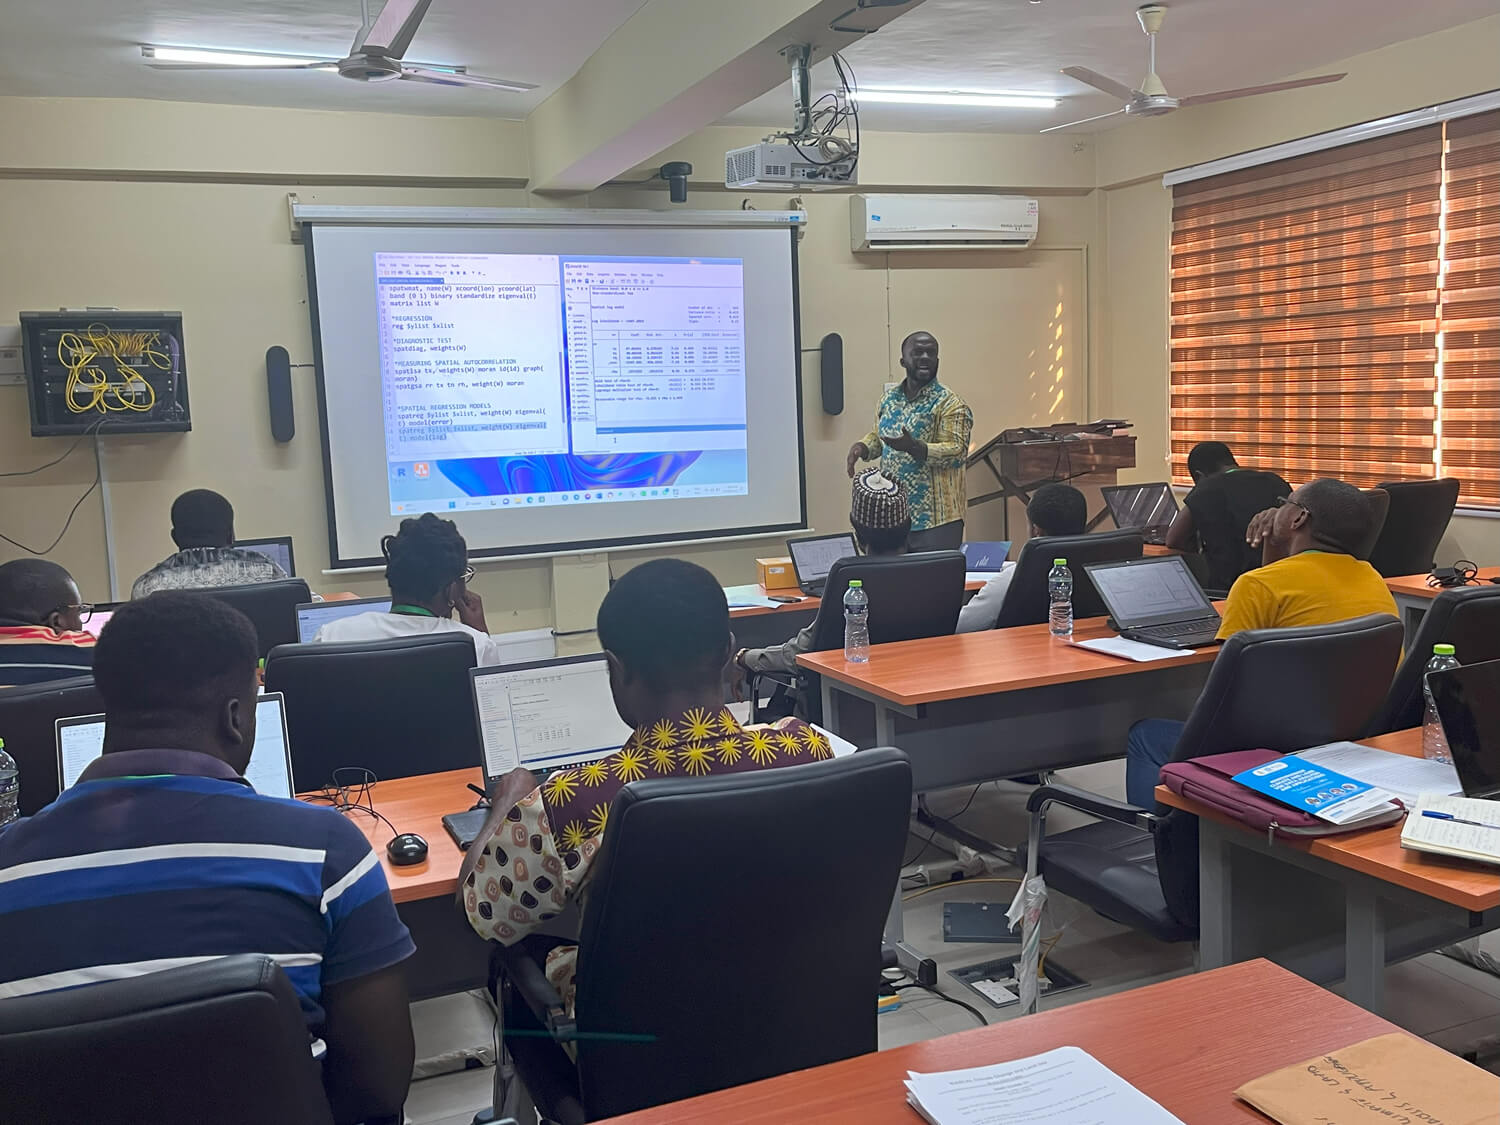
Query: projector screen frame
307	218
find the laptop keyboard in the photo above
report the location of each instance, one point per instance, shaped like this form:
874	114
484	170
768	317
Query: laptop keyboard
1203	626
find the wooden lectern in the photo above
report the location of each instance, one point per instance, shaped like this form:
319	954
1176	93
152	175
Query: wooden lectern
1014	463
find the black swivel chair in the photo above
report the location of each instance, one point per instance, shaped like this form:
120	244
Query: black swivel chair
1026	599
1414	526
701	974
1380	506
1466	618
397	708
911	596
28	723
270	606
223	1041
1273	689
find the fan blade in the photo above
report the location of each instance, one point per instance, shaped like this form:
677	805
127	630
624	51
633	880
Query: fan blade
1099	82
1084	121
463	78
392	32
1249	91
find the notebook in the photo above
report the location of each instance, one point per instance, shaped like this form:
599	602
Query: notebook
1464	828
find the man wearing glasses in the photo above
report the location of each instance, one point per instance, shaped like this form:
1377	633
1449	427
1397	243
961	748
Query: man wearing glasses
41	624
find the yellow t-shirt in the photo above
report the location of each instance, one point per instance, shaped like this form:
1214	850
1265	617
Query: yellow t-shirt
1313	588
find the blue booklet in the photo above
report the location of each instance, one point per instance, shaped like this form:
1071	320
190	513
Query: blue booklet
1299	784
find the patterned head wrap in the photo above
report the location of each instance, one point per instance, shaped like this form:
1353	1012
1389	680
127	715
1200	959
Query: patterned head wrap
879	501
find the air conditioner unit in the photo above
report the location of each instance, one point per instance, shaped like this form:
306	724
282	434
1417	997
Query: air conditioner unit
941	222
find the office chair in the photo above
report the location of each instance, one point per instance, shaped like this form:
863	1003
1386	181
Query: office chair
398	708
1026	599
701	974
223	1041
1380	504
1274	689
28	723
1467	618
1414	526
270	606
911	596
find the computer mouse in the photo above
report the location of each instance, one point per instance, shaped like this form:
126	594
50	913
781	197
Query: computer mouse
406	849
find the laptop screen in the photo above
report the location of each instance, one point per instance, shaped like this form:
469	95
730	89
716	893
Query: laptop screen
1149	591
312	616
278	550
1468	702
813	558
986	556
546	714
81	740
1141	505
97	620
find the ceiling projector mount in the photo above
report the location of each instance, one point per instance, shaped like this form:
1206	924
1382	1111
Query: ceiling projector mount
821	149
1151	99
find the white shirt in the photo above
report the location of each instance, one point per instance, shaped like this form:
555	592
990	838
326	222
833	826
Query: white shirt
376	626
983	609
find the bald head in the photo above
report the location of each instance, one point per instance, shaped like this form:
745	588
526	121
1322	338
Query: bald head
33	591
919	358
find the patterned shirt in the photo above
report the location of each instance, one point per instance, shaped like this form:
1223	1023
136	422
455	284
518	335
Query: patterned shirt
202	568
34	654
934	487
544	849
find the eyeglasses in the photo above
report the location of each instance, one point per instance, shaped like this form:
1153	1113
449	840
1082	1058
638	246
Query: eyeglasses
85	610
1282	501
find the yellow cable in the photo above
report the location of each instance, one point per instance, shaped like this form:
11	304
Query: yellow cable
131	391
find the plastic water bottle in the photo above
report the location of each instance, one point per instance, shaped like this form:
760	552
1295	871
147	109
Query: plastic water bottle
856	623
10	787
1434	741
1060	591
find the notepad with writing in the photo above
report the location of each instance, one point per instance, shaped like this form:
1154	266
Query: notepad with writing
1390	1078
1473	832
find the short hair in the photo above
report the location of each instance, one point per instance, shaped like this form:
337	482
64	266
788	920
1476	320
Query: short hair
202	518
424	556
173	652
1058	509
32	588
1340	513
879	512
1209	457
910	336
667	621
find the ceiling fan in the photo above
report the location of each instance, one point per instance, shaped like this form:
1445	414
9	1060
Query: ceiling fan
1151	98
376	54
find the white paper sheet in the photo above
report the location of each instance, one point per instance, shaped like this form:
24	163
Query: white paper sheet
1138	651
1398	774
1067	1086
748	597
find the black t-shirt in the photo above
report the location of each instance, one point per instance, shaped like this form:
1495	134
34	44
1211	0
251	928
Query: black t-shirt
1222	507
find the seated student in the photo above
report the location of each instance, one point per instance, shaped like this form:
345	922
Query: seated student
1217	511
1310	577
881	520
41	624
427	568
664	627
163	854
1055	509
203	529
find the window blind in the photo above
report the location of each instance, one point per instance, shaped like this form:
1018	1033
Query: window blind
1304	306
1470	309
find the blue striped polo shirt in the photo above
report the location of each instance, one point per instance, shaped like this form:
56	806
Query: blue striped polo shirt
161	858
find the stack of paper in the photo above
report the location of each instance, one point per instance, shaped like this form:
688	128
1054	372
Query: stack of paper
1401	775
1067	1086
1456	826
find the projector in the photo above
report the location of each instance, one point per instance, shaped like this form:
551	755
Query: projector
774	166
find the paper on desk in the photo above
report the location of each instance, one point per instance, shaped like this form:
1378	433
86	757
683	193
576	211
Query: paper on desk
1138	651
1389	1078
1067	1086
1401	775
986	575
748	597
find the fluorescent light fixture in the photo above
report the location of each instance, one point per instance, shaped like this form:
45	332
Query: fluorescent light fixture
956	97
213	57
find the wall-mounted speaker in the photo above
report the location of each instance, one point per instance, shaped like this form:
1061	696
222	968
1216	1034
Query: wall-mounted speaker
279	393
831	367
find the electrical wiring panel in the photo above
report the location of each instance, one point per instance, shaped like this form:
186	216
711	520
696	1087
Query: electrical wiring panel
125	370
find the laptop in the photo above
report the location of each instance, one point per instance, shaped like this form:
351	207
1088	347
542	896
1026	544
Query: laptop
813	557
312	616
103	611
80	740
1468	702
1157	601
986	557
1150	507
277	548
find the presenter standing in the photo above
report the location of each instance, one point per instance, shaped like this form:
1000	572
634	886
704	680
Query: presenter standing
921	436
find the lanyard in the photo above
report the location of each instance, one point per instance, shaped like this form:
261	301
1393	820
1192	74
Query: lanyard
412	611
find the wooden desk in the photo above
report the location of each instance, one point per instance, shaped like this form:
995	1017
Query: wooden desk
1413	595
806	602
1188	1043
759	626
1396	903
1158	549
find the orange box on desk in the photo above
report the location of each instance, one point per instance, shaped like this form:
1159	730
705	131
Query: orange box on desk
777	574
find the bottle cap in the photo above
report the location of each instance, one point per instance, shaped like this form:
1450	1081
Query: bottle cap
855	583
1059	562
1442	650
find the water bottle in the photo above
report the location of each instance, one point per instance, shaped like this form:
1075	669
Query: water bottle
1060	591
10	787
856	623
1434	741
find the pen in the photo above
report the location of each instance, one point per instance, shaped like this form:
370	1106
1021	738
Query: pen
1456	819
